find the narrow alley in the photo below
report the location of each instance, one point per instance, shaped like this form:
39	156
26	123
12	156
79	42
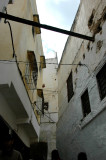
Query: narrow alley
46	106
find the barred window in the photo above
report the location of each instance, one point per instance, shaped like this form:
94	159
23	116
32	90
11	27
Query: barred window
101	80
70	92
35	76
31	72
85	103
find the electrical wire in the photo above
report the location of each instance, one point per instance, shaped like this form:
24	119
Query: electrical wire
50	118
56	92
1	61
46	115
5	21
11	61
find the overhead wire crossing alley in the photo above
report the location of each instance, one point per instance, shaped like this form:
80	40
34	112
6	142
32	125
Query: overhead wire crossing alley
32	23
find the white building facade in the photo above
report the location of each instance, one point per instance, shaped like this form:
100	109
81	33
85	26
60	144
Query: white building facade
50	116
21	72
82	86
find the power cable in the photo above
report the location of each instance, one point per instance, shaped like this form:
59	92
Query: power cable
32	23
5	21
45	114
11	61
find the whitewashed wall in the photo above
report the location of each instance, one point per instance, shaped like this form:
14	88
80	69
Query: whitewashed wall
75	134
21	113
50	118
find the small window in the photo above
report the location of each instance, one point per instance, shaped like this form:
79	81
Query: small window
70	92
35	76
101	80
33	32
10	1
85	103
31	71
28	77
36	19
27	73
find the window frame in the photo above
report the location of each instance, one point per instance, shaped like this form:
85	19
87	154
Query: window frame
11	2
70	91
101	94
31	70
84	110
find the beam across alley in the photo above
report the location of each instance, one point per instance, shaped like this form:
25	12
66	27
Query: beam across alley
32	23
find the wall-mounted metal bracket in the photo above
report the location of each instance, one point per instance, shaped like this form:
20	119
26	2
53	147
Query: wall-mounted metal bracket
32	23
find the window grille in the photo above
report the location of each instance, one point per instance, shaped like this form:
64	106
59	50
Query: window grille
35	76
29	78
101	80
46	105
31	72
70	92
85	103
27	73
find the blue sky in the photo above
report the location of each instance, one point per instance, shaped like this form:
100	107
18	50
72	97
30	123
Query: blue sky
60	14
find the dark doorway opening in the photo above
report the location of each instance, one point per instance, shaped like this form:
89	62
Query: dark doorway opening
18	144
